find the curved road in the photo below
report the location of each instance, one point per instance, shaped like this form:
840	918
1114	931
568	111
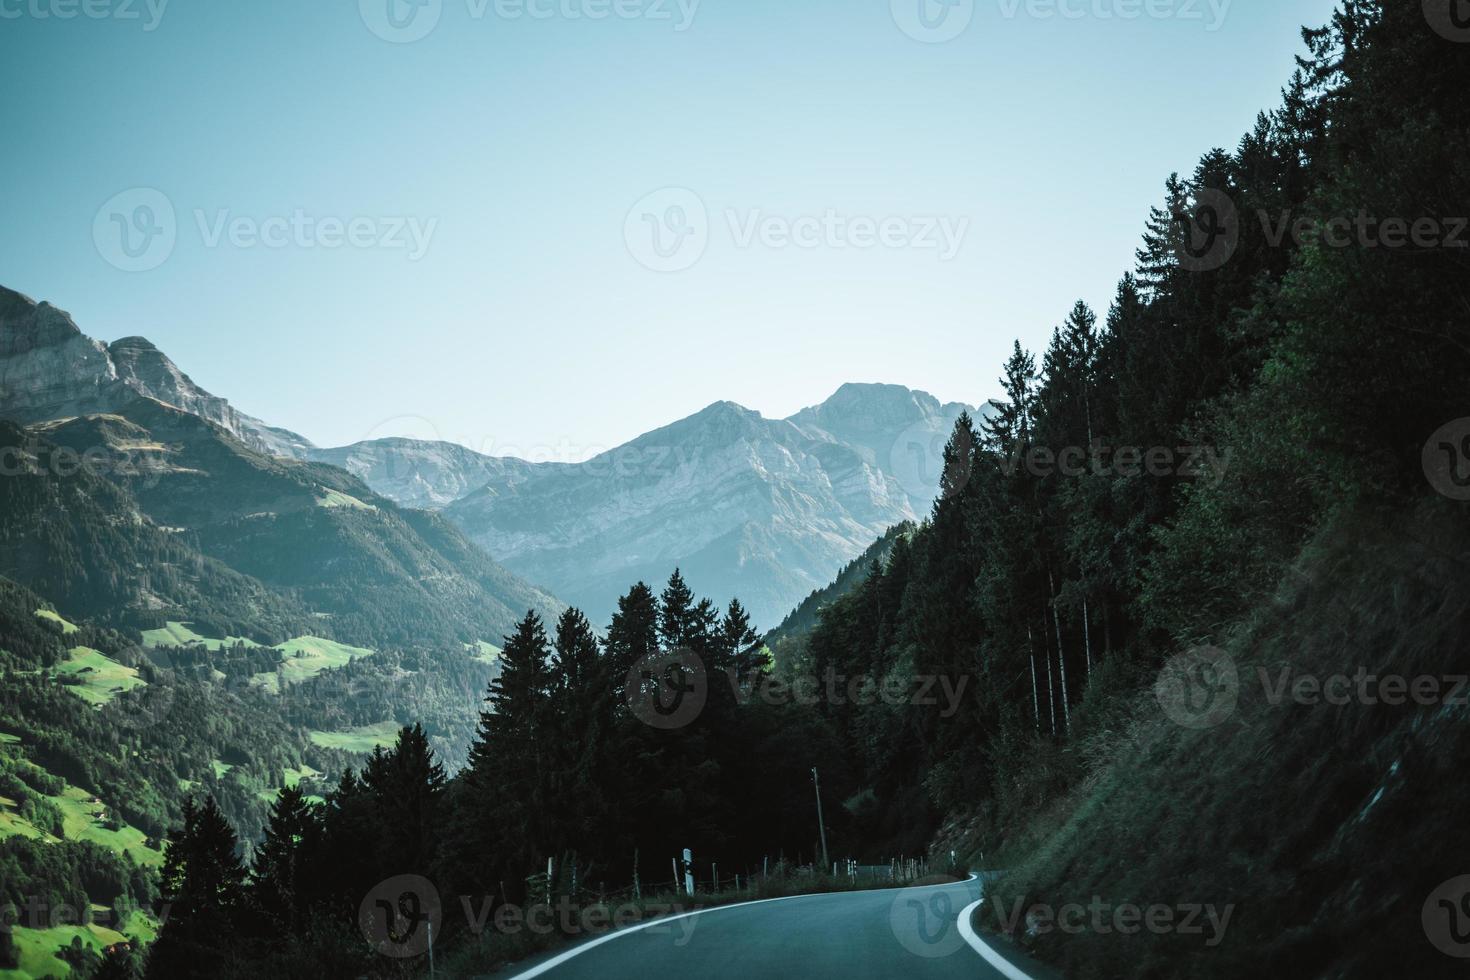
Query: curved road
894	932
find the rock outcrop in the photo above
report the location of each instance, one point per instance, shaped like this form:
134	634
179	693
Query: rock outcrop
50	370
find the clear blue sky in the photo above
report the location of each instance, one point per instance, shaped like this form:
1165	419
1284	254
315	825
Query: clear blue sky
529	322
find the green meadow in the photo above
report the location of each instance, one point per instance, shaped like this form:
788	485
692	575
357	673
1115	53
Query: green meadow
176	634
363	739
101	678
304	658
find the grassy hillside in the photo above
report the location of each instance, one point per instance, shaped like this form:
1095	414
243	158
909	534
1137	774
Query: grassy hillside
373	574
1310	819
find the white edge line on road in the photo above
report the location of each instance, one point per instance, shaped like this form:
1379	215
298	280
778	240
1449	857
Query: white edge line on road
1007	969
558	960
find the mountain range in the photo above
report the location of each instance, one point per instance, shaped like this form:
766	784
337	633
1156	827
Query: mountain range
766	509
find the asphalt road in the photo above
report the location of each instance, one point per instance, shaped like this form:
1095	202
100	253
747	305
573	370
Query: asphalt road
905	933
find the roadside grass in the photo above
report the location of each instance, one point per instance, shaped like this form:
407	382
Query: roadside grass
100	678
363	739
1324	827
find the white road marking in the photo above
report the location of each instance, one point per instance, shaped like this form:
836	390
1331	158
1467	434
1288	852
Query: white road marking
1005	967
558	960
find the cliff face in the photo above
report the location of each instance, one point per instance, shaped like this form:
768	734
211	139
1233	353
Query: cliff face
50	370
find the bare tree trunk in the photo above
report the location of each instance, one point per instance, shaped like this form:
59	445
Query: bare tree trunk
1051	698
1087	638
1056	618
1035	698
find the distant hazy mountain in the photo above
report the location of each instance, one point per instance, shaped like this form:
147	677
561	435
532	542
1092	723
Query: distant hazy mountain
188	509
423	474
764	509
50	370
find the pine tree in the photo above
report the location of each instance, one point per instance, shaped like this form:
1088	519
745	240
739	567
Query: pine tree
677	622
1008	430
406	785
581	723
203	888
285	878
633	636
958	462
506	794
741	643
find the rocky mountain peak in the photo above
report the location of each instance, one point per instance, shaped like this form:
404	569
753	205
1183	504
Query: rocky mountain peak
130	344
50	370
26	325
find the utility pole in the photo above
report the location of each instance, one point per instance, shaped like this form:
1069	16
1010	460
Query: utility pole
821	827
